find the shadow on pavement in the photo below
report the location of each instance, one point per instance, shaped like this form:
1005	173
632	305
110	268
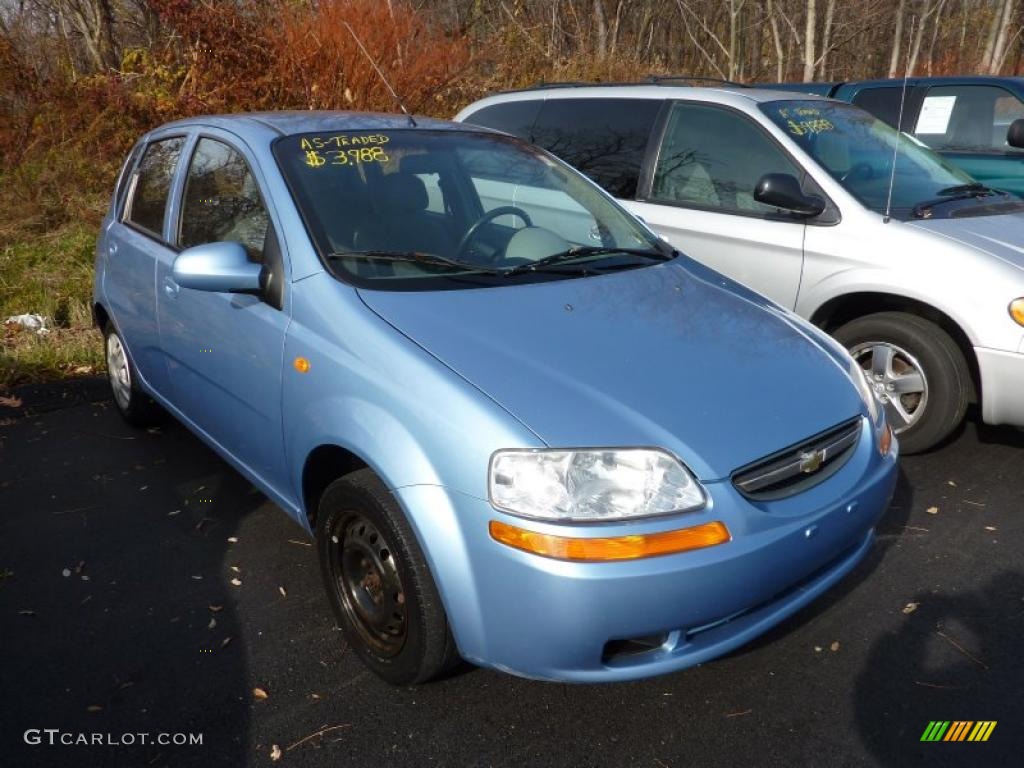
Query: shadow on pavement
957	668
118	609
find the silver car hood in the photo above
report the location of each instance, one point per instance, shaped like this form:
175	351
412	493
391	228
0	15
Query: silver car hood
999	236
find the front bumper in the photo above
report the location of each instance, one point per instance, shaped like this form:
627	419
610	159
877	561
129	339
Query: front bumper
1002	386
550	619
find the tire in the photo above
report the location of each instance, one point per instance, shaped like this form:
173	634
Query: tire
379	585
894	346
134	405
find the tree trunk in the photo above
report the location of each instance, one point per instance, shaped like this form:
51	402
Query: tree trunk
809	28
826	38
600	31
780	56
999	50
897	40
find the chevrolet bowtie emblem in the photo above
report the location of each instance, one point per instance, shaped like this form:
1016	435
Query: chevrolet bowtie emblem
811	461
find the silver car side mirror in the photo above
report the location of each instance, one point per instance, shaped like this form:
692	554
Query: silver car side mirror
219	267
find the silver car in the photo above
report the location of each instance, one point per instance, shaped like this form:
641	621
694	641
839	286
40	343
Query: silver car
906	260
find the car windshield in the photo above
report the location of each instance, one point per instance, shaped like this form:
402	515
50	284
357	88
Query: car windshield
419	209
857	150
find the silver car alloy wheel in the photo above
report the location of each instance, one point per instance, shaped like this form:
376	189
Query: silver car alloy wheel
897	379
118	371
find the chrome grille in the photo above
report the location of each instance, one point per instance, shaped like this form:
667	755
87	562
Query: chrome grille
800	466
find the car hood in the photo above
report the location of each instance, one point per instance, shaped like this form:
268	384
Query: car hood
655	356
1000	236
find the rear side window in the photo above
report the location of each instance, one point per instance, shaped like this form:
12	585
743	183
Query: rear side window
883	103
515	117
974	118
123	178
222	200
604	138
153	183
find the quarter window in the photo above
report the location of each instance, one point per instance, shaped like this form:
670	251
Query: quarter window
604	138
713	158
968	117
222	200
515	117
153	183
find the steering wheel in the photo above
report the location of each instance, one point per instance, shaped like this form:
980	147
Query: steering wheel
504	210
861	169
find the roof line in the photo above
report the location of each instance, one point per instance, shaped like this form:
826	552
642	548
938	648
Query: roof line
266	123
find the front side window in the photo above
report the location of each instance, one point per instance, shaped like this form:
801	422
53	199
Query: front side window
713	158
414	209
153	183
603	138
858	150
970	118
222	200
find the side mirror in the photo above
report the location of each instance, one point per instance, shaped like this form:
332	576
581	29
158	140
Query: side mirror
218	267
1015	133
782	190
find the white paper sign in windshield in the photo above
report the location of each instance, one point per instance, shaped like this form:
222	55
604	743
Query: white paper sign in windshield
935	113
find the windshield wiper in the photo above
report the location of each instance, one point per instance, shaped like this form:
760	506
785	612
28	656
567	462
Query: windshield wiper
581	251
415	257
951	194
975	187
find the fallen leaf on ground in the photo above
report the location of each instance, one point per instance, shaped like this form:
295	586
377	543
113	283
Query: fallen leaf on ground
285	594
225	641
198	578
66	572
275	753
259	693
212	624
990	527
236	569
94	708
834	646
11	402
232	539
910	607
216	608
932	510
236	582
950	482
173	512
26	612
817	649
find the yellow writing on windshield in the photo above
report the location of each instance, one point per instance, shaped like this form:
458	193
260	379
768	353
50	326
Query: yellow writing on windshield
803	127
319	158
339	141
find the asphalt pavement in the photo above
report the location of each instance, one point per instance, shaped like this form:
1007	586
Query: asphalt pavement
145	587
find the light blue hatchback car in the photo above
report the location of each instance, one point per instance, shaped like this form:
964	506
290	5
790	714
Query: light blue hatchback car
523	430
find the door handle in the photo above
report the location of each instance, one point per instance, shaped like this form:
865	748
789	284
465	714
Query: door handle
112	248
171	288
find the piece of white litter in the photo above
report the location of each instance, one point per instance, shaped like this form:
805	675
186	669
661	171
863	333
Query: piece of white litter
30	322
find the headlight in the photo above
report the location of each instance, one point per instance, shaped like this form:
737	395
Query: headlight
860	380
591	485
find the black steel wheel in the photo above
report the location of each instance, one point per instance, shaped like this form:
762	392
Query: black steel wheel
379	584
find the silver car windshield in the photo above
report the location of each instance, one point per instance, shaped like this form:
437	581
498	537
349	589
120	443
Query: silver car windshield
417	209
858	150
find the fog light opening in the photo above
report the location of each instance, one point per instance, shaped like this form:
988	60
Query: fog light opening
615	650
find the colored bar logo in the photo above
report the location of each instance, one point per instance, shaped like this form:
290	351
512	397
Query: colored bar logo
958	730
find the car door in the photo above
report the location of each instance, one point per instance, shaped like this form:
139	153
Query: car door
135	240
701	199
224	350
967	124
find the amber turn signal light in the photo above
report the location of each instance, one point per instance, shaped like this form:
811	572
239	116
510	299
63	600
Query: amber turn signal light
1017	310
611	548
885	441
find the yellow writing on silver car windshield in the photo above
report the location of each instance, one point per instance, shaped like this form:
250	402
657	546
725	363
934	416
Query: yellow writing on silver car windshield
320	151
801	127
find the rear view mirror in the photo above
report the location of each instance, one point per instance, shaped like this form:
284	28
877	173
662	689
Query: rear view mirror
782	190
1015	134
217	267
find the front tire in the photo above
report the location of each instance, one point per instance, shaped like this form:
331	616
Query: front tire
378	582
917	372
134	405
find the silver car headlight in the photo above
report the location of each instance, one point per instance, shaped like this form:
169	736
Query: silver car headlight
860	380
591	485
